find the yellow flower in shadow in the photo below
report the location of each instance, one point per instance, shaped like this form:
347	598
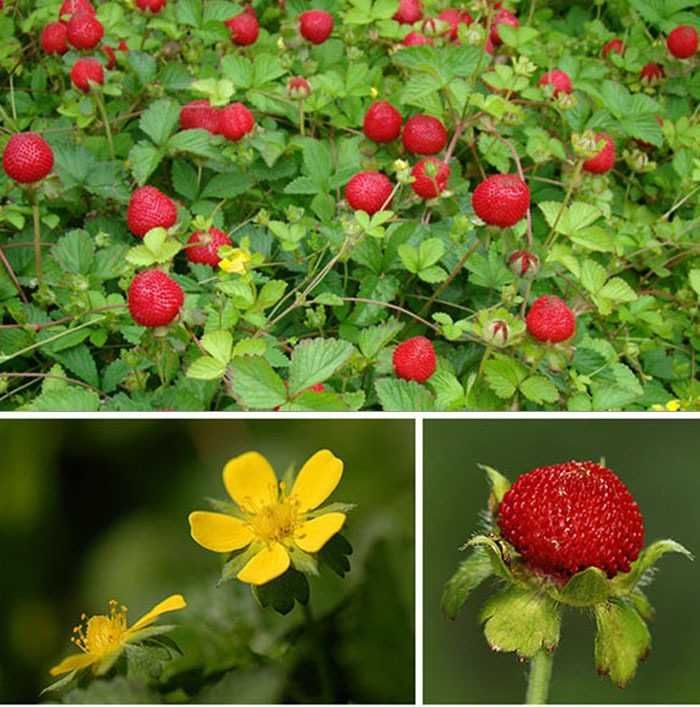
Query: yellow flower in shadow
236	261
272	522
102	638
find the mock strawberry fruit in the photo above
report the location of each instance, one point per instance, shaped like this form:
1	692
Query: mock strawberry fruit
368	191
382	122
150	208
235	121
616	46
501	200
567	517
414	359
558	79
454	19
84	71
84	31
502	17
152	6
415	39
74	7
651	73
111	56
154	298
203	246
682	42
316	25
409	11
430	177
54	38
551	320
424	135
244	28
200	114
605	159
27	158
298	88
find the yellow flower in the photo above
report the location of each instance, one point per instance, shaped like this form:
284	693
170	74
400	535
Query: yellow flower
272	523
102	638
236	261
673	405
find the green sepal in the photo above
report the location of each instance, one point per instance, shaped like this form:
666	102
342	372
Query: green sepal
225	507
642	604
150	632
335	554
59	684
331	508
622	641
648	557
281	593
585	588
238	562
521	620
469	575
499	552
499	485
302	561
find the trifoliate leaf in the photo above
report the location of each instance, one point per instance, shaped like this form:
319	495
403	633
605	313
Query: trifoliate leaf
316	360
255	384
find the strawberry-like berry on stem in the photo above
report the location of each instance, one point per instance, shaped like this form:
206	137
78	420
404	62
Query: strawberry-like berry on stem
551	320
558	79
152	6
316	25
150	208
616	46
454	18
424	135
682	42
27	158
84	31
154	298
501	200
200	114
235	121
604	160
244	29
85	71
415	39
430	177
54	38
368	191
382	122
414	359
409	11
203	246
502	17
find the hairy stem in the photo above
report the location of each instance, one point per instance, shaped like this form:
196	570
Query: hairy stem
37	237
108	128
539	678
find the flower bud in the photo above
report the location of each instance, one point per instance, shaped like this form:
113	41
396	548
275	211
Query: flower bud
586	144
298	88
524	264
496	333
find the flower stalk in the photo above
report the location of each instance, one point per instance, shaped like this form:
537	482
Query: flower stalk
539	678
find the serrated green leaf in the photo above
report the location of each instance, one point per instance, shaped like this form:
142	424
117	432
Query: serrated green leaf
159	120
396	395
539	389
469	575
255	384
316	360
219	344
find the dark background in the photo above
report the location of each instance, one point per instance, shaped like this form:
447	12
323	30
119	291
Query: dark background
659	462
91	511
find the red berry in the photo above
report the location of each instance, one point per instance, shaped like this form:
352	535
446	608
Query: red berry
316	25
501	200
317	388
154	298
235	121
122	46
428	185
614	45
502	17
551	320
558	79
409	11
651	73
414	359
72	7
203	247
27	158
84	71
368	191
415	39
200	114
244	29
683	41
84	31
298	87
605	159
54	38
382	122
567	517
424	135
152	6
454	18
111	56
150	208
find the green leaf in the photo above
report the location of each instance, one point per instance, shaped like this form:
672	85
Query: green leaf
143	64
500	554
219	344
206	368
255	384
159	120
315	360
228	185
396	395
504	375
189	12
115	691
586	588
617	290
469	575
75	252
196	141
266	68
621	641
336	552
144	159
79	360
281	593
539	389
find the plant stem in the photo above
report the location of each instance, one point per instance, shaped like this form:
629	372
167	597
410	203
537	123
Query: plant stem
108	128
540	675
301	118
37	237
324	673
574	183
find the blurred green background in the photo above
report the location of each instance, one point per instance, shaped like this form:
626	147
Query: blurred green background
657	459
91	511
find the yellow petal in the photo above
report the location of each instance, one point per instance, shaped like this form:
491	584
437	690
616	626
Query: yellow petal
73	662
219	532
172	603
314	534
317	480
268	564
250	481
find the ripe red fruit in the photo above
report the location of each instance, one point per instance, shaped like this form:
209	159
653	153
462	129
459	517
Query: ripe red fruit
382	122
200	114
154	298
368	191
235	121
614	45
27	158
651	72
203	246
415	39
84	71
567	517
245	29
682	42
550	319
316	25
558	79
424	135
605	159
152	6
409	11
84	31
454	18
150	208
502	17
501	200
428	185
414	359
72	7
54	38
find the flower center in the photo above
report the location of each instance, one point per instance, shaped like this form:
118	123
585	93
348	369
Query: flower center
101	634
275	522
